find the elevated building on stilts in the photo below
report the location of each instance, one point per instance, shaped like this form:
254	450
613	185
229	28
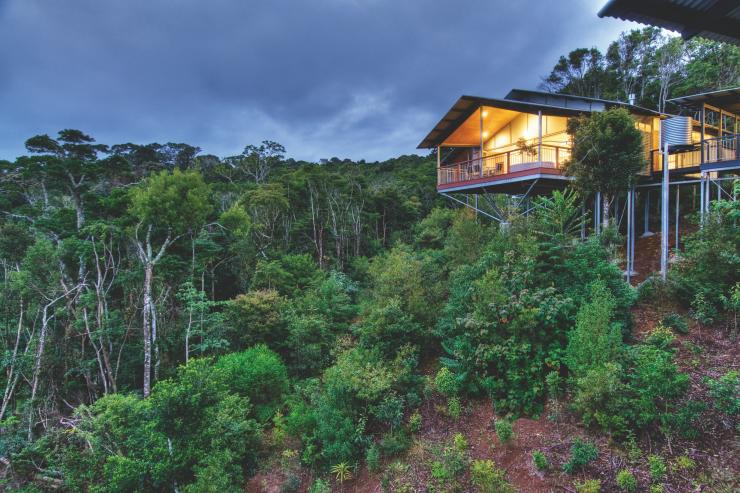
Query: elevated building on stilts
504	151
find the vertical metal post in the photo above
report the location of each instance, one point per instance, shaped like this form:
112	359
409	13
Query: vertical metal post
629	235
480	114
597	213
634	229
439	165
664	217
539	144
701	145
678	206
647	231
701	198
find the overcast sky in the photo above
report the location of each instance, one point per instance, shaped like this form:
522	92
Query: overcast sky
348	78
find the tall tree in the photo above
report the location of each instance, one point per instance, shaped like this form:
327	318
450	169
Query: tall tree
580	73
607	154
166	206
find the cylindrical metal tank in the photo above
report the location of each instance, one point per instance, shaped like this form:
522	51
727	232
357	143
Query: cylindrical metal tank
676	131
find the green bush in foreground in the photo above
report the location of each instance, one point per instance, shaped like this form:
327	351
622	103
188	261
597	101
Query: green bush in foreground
259	374
658	468
320	486
581	453
726	393
589	486
488	478
626	481
540	460
504	430
675	322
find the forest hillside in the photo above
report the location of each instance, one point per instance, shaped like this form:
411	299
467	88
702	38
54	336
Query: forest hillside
176	321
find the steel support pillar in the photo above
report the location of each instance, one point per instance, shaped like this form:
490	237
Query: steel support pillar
630	233
664	231
678	207
701	198
646	231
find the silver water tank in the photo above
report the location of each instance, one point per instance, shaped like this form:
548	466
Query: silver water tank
676	131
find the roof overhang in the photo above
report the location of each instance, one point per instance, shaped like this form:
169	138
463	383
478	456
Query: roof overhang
712	19
726	99
467	105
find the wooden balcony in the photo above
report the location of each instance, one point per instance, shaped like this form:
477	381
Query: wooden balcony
505	168
711	154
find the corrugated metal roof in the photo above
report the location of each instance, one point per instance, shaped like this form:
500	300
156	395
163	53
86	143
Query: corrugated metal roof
466	105
713	19
726	99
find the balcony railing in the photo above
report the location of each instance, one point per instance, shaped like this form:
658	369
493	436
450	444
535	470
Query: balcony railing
503	163
715	150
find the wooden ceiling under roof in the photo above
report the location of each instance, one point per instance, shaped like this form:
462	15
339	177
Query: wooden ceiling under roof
468	133
465	111
726	99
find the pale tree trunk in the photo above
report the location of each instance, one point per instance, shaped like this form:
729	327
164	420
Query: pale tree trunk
147	327
45	320
12	375
149	314
607	200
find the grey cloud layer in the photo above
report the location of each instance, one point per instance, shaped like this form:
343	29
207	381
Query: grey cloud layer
349	78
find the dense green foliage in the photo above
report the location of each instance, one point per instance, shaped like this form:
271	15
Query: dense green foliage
170	320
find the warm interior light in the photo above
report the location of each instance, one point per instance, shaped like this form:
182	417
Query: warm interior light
485	134
485	113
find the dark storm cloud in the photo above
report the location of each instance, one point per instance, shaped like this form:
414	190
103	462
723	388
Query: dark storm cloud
357	78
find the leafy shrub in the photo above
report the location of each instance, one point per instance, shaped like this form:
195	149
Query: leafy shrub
410	277
388	327
703	310
256	318
191	430
488	478
446	382
726	393
540	460
656	488
675	322
595	340
703	278
390	410
342	472
626	481
657	467
454	408
395	443
589	486
257	373
415	422
684	463
453	461
602	396
581	454
504	430
656	384
373	458
320	486
660	337
504	325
